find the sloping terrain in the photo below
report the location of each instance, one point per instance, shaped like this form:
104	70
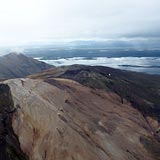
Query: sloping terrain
17	65
64	120
80	113
142	90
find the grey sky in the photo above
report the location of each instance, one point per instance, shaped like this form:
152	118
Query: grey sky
30	20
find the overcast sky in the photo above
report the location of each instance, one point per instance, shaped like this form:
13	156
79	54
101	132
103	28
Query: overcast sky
30	20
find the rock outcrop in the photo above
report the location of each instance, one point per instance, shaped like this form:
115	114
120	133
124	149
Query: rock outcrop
60	119
9	144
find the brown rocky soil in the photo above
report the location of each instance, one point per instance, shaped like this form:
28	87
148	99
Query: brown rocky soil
60	119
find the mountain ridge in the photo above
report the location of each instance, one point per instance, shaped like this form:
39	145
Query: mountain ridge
138	88
67	120
80	112
15	65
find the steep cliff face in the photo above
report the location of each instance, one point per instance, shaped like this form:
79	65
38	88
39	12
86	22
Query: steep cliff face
9	144
60	119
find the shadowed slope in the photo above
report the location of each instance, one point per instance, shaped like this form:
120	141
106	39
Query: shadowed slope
9	144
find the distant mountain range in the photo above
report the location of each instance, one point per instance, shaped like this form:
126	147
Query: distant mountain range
15	65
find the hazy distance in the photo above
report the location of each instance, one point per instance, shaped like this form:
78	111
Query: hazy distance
31	21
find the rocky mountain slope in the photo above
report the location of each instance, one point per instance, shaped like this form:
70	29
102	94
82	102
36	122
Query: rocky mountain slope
16	65
141	90
80	113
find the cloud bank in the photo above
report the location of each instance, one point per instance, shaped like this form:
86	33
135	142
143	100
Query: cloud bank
149	65
31	20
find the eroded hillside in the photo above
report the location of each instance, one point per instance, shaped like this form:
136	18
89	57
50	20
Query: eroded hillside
58	119
141	90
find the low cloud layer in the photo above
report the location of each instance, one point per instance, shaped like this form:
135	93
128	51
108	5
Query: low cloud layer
104	61
144	64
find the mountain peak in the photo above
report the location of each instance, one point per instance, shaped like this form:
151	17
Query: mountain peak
17	65
13	54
